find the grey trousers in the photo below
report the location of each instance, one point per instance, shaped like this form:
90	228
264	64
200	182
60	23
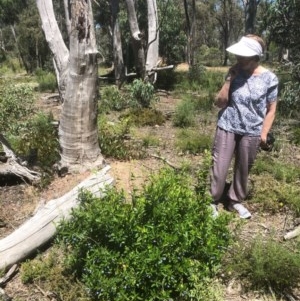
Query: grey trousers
244	150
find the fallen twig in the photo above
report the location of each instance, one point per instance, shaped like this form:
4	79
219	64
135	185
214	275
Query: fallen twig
11	272
166	161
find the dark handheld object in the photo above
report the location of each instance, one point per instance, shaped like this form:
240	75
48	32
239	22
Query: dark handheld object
268	146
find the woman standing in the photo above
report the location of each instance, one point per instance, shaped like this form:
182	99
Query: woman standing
248	101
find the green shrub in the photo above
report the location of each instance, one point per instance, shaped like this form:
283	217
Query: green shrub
46	81
10	65
37	137
266	264
142	94
192	141
112	99
283	172
296	135
204	103
289	103
114	140
184	115
273	196
196	73
144	117
150	140
162	245
209	56
166	79
16	105
47	272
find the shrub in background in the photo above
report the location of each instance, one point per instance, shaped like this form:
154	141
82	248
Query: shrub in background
296	135
196	73
141	94
37	140
112	99
16	105
162	245
144	116
266	264
114	140
48	272
184	115
209	56
193	142
47	81
289	103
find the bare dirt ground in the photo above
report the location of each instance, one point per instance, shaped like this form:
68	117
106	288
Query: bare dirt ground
18	202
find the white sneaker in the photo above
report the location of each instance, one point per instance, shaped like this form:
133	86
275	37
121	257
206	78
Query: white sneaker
242	211
215	212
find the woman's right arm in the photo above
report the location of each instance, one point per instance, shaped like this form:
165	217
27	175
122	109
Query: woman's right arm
222	97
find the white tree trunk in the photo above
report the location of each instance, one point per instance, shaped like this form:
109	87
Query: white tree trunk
55	41
78	132
117	44
77	74
136	39
153	38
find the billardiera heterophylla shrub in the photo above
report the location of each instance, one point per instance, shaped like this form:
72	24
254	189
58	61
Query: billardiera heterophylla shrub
288	105
112	99
142	94
114	139
163	244
184	113
16	105
37	136
46	80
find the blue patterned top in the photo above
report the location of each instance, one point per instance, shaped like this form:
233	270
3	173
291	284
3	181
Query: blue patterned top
247	106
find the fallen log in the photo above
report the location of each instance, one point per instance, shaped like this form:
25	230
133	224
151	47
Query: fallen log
12	167
292	234
40	228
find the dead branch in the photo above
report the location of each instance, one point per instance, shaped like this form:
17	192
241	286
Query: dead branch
12	166
292	234
165	161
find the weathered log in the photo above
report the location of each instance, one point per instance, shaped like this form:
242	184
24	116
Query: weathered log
12	167
292	234
40	228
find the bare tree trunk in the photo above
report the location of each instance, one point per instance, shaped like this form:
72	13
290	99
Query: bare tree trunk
250	7
77	76
55	42
21	58
153	40
117	44
136	39
78	133
67	16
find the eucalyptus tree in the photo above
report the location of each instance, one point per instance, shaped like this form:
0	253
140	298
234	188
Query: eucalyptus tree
229	17
9	16
117	44
250	9
284	29
77	75
30	39
172	38
190	15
